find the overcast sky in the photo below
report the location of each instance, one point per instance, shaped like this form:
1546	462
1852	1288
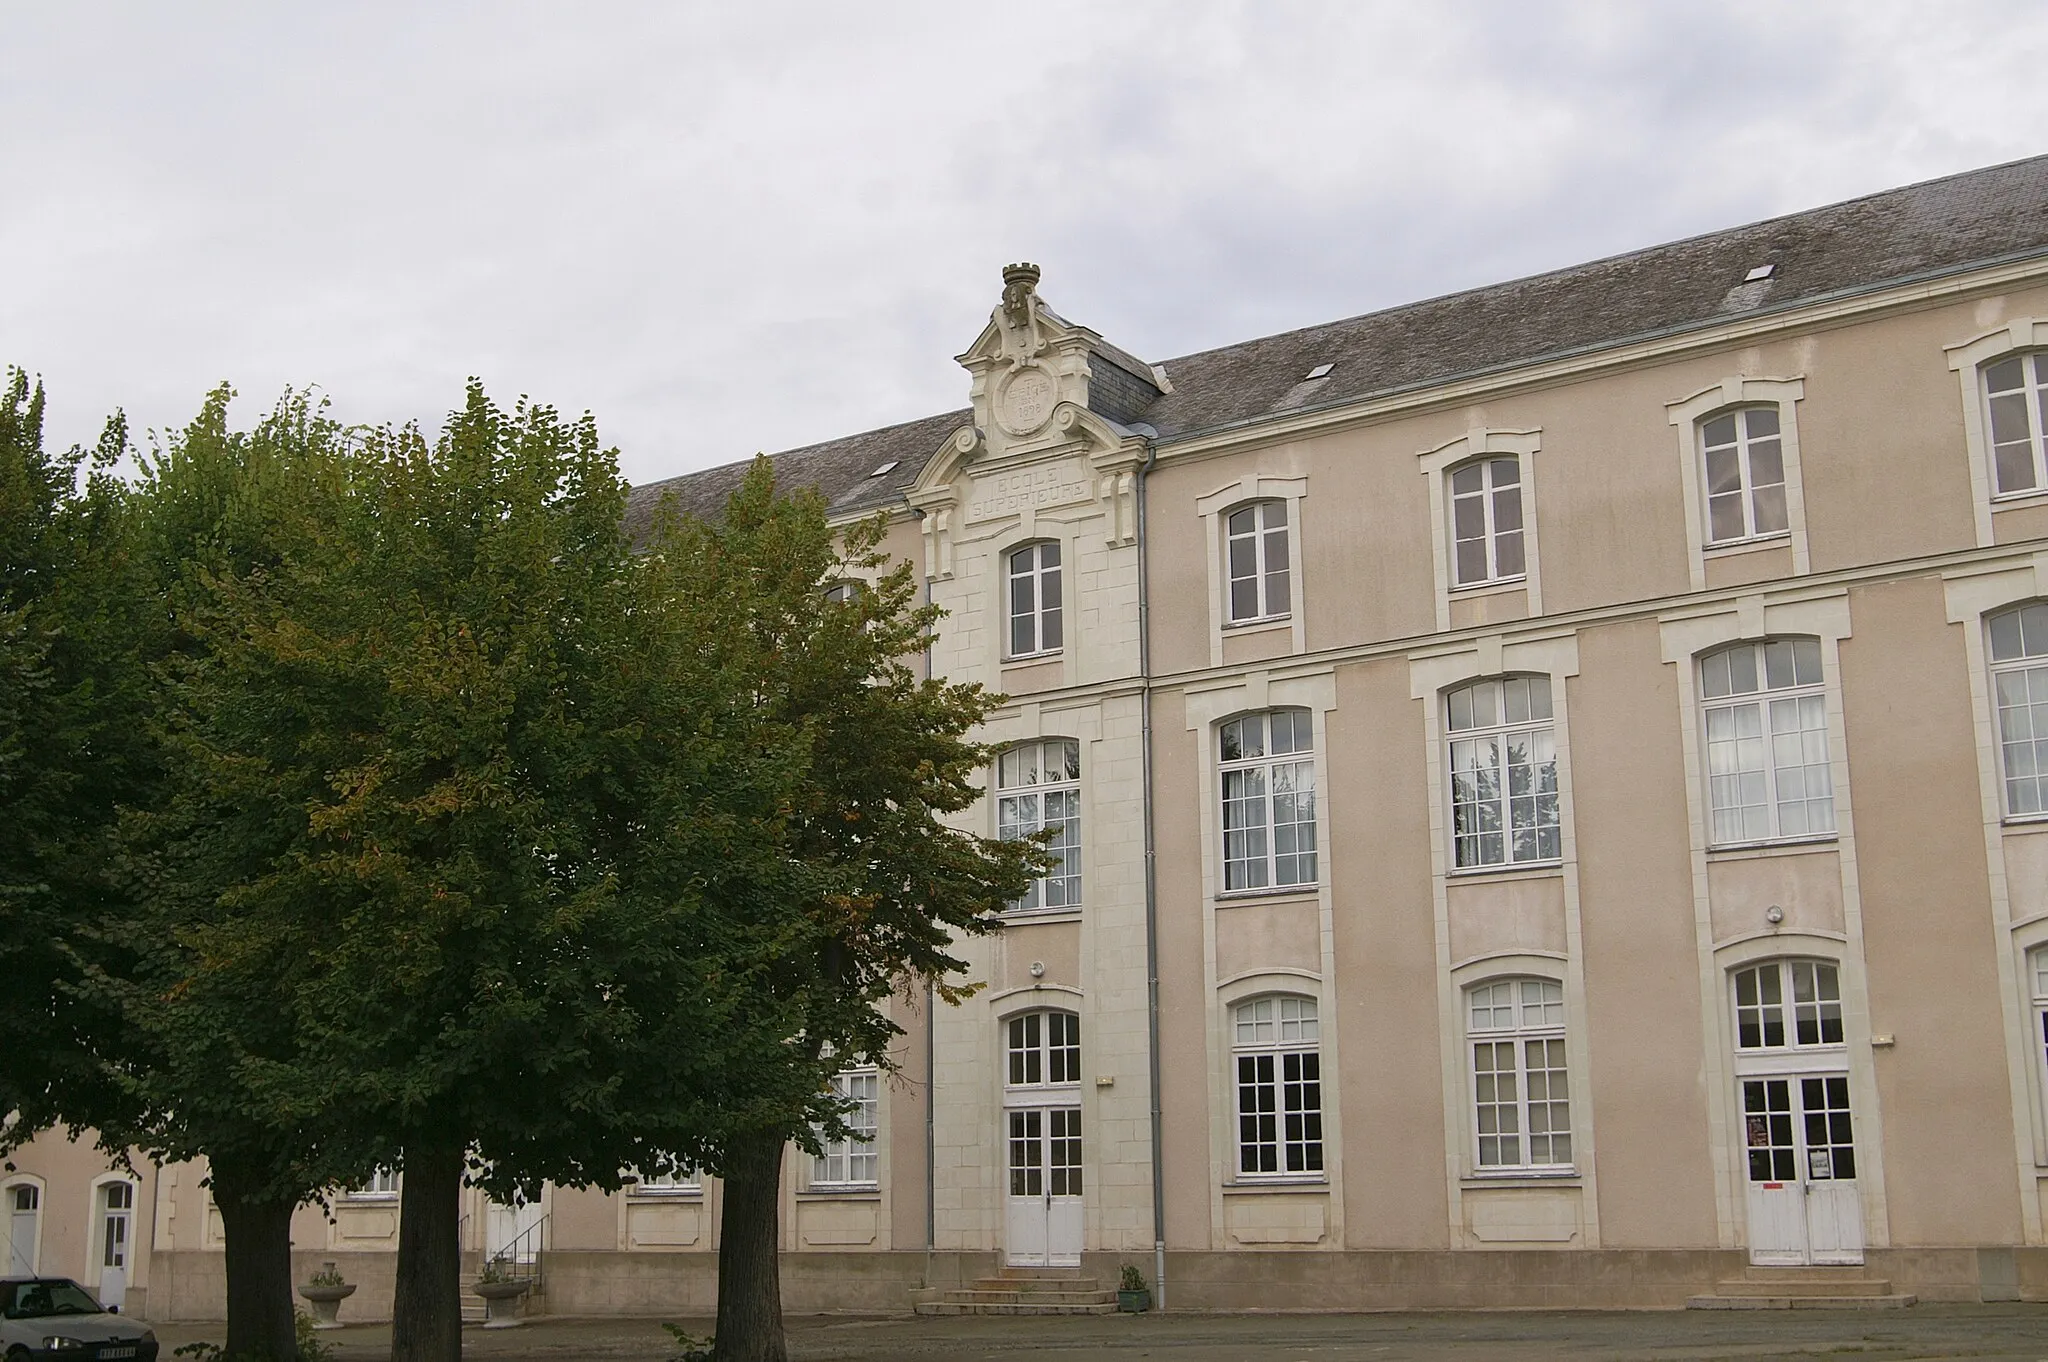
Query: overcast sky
733	227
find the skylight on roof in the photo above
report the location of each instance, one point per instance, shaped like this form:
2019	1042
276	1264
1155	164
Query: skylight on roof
885	468
1761	272
1320	371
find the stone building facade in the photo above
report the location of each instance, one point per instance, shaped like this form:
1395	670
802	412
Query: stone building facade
1554	789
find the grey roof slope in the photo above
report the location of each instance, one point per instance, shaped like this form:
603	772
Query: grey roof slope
1938	226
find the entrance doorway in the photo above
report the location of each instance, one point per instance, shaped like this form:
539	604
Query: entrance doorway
512	1232
24	1228
117	1216
1804	1207
1043	1221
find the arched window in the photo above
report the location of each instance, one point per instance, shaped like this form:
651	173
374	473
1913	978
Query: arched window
1267	763
1038	786
1035	612
2016	395
1257	561
1783	1004
2019	679
1502	755
1275	1045
1742	455
1044	1048
1486	521
1767	742
1521	1093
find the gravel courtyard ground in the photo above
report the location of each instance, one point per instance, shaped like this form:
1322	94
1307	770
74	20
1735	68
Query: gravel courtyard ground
2000	1332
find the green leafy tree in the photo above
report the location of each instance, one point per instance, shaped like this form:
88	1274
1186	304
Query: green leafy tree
876	885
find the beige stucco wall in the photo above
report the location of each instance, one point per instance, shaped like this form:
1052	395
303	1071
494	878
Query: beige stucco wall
1927	930
1642	971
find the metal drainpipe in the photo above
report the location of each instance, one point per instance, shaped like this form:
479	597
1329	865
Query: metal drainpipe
1151	894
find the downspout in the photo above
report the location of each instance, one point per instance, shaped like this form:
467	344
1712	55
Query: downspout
1151	893
931	1025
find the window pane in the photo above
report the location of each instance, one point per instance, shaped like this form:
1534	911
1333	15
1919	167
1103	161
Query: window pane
1724	472
1762	421
1469	479
1719	431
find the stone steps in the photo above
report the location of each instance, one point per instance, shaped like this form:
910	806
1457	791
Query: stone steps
1021	1291
1819	1288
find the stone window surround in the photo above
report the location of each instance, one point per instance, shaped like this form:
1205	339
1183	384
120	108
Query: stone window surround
1967	359
1025	721
1436	465
1029	529
1243	988
1523	965
1236	1176
1687	415
1213	509
1973	593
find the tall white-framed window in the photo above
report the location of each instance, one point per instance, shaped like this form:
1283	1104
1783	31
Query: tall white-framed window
1521	1090
1267	766
1742	459
1038	786
1486	521
1502	752
2016	412
1276	1050
24	1204
2037	976
851	1162
1258	565
1033	573
2019	682
1788	1004
381	1185
114	1202
1042	1049
1765	711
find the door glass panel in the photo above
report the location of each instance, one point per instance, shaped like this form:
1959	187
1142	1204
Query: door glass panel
1064	1156
1027	1156
1830	1145
1767	1130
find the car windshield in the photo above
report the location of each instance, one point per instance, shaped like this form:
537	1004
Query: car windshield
39	1300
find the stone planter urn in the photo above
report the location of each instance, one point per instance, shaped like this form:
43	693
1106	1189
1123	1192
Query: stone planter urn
501	1301
326	1299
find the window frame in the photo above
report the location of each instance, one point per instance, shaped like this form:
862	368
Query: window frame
2033	392
1747	487
676	1182
1261	535
1764	698
1281	1113
1488	496
1500	732
383	1185
850	1150
1071	873
1787	1006
1296	760
1037	573
2023	664
1518	1036
1041	1049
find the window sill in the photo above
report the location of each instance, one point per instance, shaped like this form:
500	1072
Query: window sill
1288	891
2025	822
665	1193
1033	659
1315	1182
1522	1177
1730	548
370	1198
851	1191
1745	851
1253	626
1487	874
2007	501
1491	585
1040	915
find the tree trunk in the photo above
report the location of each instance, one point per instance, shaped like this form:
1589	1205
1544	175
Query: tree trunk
261	1319
426	1310
749	1272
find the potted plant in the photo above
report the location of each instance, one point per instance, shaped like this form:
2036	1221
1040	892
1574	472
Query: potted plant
501	1292
325	1291
1133	1297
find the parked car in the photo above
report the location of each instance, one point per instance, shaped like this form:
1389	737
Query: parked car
54	1319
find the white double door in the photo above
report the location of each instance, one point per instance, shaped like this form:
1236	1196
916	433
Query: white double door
509	1230
1800	1161
1042	1219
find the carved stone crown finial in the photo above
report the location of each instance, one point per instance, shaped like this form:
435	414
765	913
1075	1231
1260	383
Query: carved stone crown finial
1019	281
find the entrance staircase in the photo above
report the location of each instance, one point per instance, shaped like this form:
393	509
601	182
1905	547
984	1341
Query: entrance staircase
1021	1291
1802	1288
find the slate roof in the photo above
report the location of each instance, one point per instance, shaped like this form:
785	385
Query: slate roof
1940	226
